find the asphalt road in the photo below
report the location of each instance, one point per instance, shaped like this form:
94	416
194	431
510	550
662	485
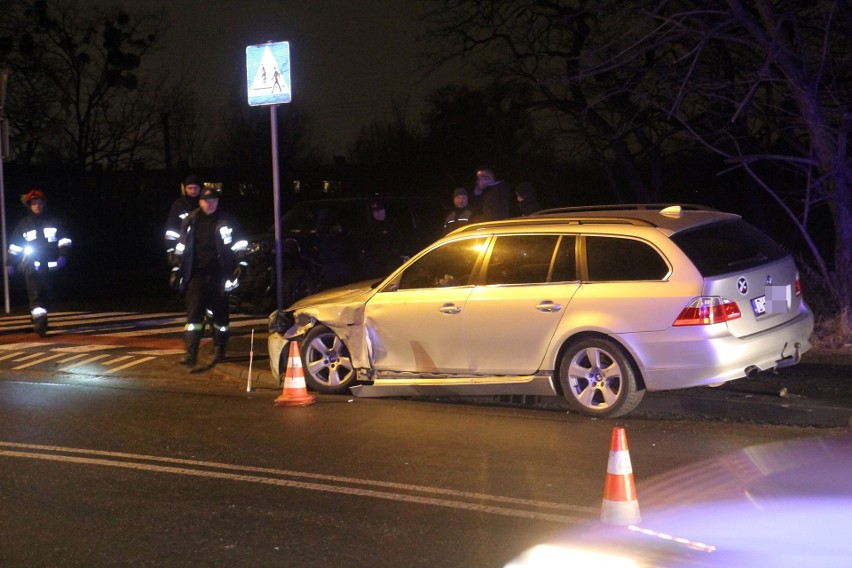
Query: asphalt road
101	474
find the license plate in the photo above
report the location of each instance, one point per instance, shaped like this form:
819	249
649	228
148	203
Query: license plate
759	305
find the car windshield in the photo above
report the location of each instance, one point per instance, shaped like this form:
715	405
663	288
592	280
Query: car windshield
316	217
728	246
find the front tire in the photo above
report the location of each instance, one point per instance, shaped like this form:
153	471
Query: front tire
599	379
325	358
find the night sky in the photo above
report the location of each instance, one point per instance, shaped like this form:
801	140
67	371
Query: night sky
350	59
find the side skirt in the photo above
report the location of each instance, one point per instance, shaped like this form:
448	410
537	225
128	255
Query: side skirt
455	386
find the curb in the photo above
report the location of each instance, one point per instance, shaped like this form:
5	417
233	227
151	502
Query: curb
771	409
768	409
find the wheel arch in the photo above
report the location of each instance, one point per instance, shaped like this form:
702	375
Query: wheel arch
592	334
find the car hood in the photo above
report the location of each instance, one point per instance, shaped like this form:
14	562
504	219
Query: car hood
340	295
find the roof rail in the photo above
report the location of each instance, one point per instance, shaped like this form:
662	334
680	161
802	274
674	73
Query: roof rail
619	207
531	220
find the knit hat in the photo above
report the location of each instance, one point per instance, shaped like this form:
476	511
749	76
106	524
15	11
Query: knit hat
460	191
525	190
210	193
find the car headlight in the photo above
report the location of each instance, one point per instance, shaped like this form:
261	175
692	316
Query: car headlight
552	556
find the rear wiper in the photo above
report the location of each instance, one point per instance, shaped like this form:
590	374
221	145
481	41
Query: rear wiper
755	259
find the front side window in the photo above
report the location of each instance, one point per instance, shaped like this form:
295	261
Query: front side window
449	265
619	259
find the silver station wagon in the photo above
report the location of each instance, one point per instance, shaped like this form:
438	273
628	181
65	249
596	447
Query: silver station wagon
597	305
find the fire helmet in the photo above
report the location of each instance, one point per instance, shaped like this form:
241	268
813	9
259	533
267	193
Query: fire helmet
32	194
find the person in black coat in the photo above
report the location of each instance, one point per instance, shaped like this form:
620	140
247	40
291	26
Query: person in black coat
526	198
207	267
180	209
491	198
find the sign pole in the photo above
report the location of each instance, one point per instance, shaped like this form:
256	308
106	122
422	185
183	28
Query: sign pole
268	83
276	205
4	76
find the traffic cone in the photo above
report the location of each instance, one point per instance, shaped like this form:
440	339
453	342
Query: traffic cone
620	506
295	393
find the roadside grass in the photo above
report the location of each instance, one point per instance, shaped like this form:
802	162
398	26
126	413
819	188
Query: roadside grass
833	331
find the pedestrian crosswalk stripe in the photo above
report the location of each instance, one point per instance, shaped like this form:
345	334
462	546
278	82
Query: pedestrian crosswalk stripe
27	357
86	348
130	364
180	328
10	355
117	360
121	324
73	358
84	362
37	361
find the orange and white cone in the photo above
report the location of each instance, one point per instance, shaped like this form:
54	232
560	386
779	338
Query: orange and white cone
620	506
295	392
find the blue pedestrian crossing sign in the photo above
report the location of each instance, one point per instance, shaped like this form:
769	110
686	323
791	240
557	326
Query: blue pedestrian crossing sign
268	74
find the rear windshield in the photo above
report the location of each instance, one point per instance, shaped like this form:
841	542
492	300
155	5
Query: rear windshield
728	246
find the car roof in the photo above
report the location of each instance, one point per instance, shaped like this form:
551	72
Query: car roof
669	218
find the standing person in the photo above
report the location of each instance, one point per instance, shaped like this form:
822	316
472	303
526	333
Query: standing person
460	215
381	250
490	200
39	247
180	209
527	201
206	256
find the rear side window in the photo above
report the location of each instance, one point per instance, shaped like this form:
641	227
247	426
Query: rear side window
520	259
728	246
619	259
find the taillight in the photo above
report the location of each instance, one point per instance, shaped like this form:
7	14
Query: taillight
798	286
708	310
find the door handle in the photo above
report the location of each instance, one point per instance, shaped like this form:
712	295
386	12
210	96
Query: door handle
548	306
450	309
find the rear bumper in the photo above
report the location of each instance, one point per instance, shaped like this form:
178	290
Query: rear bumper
680	358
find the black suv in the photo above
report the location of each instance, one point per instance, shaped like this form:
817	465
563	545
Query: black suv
334	241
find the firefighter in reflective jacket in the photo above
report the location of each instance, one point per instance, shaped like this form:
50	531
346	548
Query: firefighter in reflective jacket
206	262
38	248
180	209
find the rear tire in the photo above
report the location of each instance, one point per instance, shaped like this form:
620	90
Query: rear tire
325	358
599	379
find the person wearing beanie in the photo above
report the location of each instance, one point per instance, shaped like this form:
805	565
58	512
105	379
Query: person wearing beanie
460	215
181	207
206	268
39	247
527	201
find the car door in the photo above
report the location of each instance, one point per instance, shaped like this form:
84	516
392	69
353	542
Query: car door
415	324
511	317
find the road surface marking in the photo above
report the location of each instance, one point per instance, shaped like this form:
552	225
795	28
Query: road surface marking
131	364
435	496
84	362
37	361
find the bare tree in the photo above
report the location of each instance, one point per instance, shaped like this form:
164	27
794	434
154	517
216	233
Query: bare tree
550	46
765	84
77	92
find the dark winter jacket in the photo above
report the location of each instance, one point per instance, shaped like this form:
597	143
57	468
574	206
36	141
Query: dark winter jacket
228	247
180	209
492	204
